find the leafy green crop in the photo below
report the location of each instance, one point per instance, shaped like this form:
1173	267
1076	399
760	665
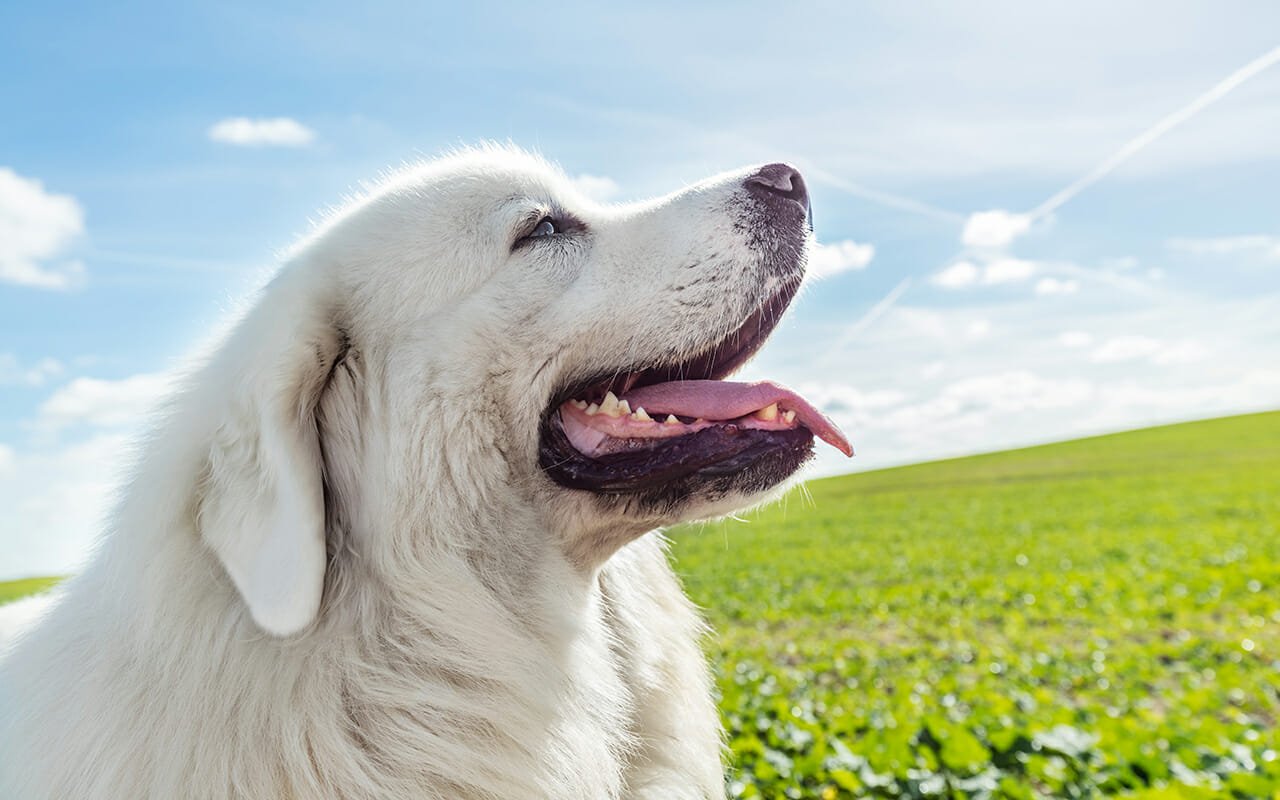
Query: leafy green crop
12	590
1098	617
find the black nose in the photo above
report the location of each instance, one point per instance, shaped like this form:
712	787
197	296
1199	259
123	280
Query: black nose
781	181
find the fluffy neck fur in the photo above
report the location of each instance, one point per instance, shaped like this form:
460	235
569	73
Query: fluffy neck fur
453	680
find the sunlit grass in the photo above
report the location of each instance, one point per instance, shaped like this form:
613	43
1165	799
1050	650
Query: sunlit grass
1095	616
12	590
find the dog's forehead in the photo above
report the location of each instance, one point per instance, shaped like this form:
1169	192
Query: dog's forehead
487	175
481	190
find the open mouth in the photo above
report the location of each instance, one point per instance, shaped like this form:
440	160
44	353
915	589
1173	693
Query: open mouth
650	428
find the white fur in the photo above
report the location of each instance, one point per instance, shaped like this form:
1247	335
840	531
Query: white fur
19	615
337	571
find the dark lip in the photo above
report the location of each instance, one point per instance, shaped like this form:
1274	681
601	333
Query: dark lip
717	362
719	452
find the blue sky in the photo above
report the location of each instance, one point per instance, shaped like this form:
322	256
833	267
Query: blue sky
132	222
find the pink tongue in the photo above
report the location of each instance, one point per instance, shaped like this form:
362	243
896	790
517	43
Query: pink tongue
725	400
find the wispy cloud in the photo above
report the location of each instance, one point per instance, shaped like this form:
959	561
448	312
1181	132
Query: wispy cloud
35	227
64	492
1125	348
886	199
102	403
1131	348
996	228
1262	246
265	132
1008	270
957	276
832	259
14	373
1051	286
964	274
62	481
597	187
1075	338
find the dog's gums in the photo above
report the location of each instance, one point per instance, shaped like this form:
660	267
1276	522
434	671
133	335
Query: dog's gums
686	407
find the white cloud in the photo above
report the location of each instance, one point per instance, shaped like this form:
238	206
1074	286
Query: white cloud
13	373
1257	245
1075	339
63	493
35	226
102	403
63	480
597	187
933	369
1120	263
272	132
963	274
994	229
1040	380
836	397
1008	270
1125	348
977	402
1048	286
837	257
978	329
957	276
1137	403
1131	348
64	489
1181	353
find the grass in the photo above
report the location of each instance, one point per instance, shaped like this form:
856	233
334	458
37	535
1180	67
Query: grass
12	590
1095	617
1098	617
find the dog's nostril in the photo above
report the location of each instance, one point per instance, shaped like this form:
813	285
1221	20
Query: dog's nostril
780	179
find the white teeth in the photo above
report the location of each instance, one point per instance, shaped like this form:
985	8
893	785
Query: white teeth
624	407
579	404
641	415
789	417
671	420
609	405
592	410
768	413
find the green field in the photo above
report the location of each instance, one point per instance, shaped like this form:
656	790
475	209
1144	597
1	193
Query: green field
12	590
1095	617
1090	618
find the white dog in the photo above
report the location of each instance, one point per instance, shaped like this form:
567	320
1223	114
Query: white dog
389	541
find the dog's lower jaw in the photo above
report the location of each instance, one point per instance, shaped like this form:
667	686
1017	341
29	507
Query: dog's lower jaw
589	550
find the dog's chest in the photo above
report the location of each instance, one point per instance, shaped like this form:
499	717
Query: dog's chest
592	729
550	714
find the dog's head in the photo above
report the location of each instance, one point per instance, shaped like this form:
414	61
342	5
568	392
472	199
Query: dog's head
474	342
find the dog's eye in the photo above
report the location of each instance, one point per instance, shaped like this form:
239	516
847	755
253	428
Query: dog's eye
547	227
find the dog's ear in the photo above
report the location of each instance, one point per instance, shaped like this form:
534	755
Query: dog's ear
261	505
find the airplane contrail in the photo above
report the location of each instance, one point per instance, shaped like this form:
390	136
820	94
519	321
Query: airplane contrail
1162	127
875	312
886	199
